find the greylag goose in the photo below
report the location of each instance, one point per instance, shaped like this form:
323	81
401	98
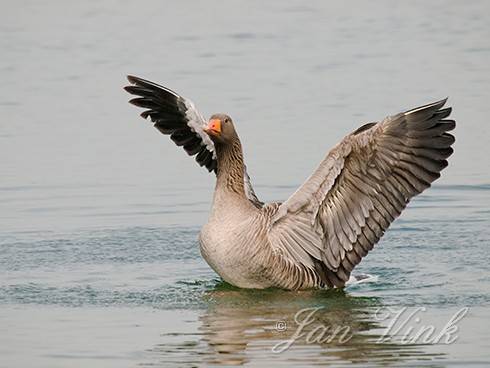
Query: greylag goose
316	237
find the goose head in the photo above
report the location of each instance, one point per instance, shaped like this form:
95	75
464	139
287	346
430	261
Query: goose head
221	129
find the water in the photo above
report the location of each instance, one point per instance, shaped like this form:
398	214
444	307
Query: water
99	215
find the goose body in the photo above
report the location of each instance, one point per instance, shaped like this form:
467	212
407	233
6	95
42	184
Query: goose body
317	236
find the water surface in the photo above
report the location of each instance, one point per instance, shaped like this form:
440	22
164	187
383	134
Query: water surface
99	213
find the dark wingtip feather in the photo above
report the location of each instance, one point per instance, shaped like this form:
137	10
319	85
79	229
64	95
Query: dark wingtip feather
448	124
149	84
444	153
431	106
143	102
132	79
437	104
450	139
443	113
441	103
142	82
145	114
135	90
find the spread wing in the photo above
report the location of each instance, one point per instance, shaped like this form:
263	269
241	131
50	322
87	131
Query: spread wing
332	221
177	116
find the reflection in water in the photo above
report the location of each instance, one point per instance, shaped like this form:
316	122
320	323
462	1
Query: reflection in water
241	326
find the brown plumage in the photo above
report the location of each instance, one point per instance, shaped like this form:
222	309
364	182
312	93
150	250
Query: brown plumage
317	236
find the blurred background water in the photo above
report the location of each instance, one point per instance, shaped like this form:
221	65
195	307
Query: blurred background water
99	213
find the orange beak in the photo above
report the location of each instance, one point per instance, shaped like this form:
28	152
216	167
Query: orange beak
214	127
